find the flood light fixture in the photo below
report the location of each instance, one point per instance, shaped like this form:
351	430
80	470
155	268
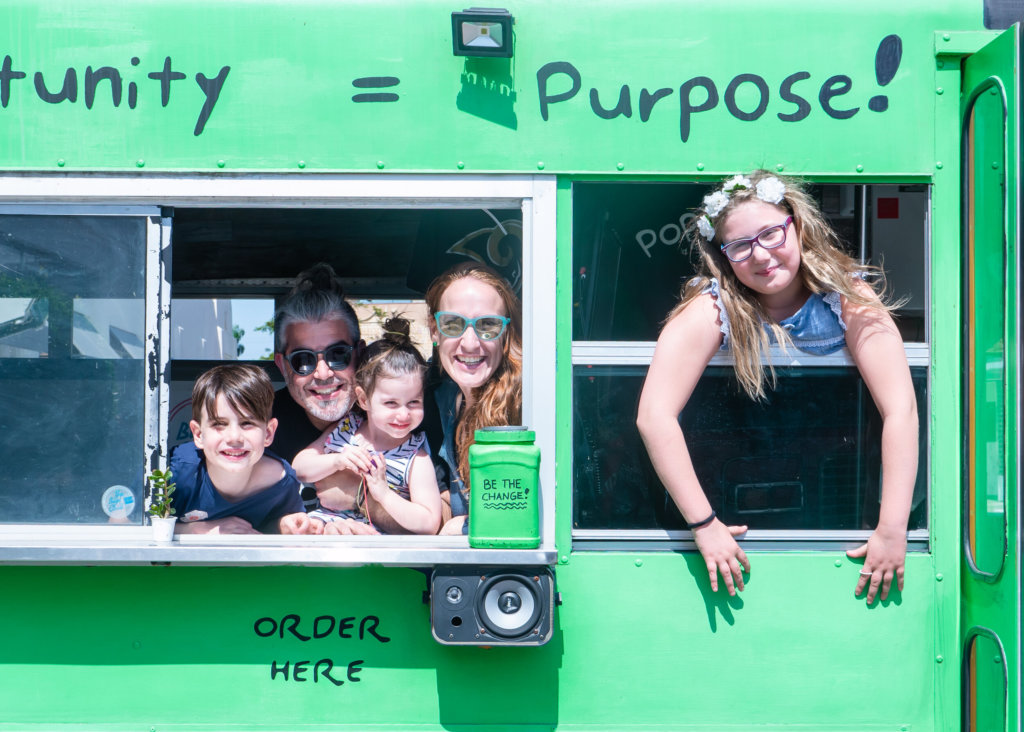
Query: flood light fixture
482	32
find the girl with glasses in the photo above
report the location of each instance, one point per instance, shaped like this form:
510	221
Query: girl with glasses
475	321
770	270
382	449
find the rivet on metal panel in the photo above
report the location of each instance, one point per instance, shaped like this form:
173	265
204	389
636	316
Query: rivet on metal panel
302	163
140	163
945	37
620	166
860	168
939	659
460	165
60	163
938	577
780	167
938	165
700	166
221	163
380	165
940	91
540	165
639	562
839	562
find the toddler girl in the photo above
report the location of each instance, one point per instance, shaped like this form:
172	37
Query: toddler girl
770	270
380	451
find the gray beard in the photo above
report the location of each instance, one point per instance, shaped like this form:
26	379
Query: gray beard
330	411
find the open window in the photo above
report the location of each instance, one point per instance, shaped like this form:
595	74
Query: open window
805	466
107	316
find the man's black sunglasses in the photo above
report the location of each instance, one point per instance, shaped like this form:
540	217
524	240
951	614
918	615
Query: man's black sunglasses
337	355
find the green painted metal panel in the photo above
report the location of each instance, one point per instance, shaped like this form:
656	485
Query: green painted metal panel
653	87
640	642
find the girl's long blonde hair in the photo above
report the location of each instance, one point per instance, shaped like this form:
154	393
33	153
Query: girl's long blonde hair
500	400
824	267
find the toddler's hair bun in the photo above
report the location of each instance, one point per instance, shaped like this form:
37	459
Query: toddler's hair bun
396	331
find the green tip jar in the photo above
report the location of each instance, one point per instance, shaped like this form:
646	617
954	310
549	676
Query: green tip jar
504	501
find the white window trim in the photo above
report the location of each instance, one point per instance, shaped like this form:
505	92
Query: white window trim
112	544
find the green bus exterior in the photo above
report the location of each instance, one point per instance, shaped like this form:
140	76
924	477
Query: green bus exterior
169	103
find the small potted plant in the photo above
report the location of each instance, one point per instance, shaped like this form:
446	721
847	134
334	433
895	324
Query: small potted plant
160	510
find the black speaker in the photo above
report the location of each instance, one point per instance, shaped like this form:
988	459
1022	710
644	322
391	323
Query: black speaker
491	606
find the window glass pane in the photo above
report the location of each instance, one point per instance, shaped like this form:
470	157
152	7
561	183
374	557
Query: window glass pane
629	262
108	328
24	328
222	329
72	290
810	458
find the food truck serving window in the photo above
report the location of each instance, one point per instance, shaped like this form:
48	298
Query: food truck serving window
109	312
803	466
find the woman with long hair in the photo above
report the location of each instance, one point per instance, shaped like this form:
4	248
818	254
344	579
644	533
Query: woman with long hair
476	325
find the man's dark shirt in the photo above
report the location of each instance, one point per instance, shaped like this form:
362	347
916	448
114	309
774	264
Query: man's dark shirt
294	430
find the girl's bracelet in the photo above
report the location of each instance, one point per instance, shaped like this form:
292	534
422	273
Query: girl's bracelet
703	523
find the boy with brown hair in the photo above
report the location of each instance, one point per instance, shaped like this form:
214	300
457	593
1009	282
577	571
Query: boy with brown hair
226	482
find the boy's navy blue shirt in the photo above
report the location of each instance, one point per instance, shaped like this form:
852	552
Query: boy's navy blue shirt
196	499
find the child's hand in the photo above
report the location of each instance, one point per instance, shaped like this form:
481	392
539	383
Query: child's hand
226	525
297	523
722	554
453	527
885	554
377	478
349	527
353	457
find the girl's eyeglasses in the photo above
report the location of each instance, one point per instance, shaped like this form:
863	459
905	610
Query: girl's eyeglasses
771	238
487	327
337	355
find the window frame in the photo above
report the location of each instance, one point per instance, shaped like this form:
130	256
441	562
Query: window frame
133	544
640	353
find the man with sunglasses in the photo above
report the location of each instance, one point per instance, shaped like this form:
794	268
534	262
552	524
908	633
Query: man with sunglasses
316	346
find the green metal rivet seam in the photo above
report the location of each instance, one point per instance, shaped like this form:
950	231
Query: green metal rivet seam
839	562
60	163
221	163
780	167
700	166
540	165
638	562
939	165
380	165
939	659
302	163
938	577
620	166
940	91
460	165
860	168
140	163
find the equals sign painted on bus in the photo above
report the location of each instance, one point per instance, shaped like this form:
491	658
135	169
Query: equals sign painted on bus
375	82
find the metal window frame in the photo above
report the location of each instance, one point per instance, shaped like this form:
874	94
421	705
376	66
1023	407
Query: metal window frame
640	353
124	545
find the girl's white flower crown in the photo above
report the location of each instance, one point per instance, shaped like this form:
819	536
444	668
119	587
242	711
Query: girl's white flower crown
769	190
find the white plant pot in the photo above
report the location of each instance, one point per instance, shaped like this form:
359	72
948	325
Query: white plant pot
163	529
